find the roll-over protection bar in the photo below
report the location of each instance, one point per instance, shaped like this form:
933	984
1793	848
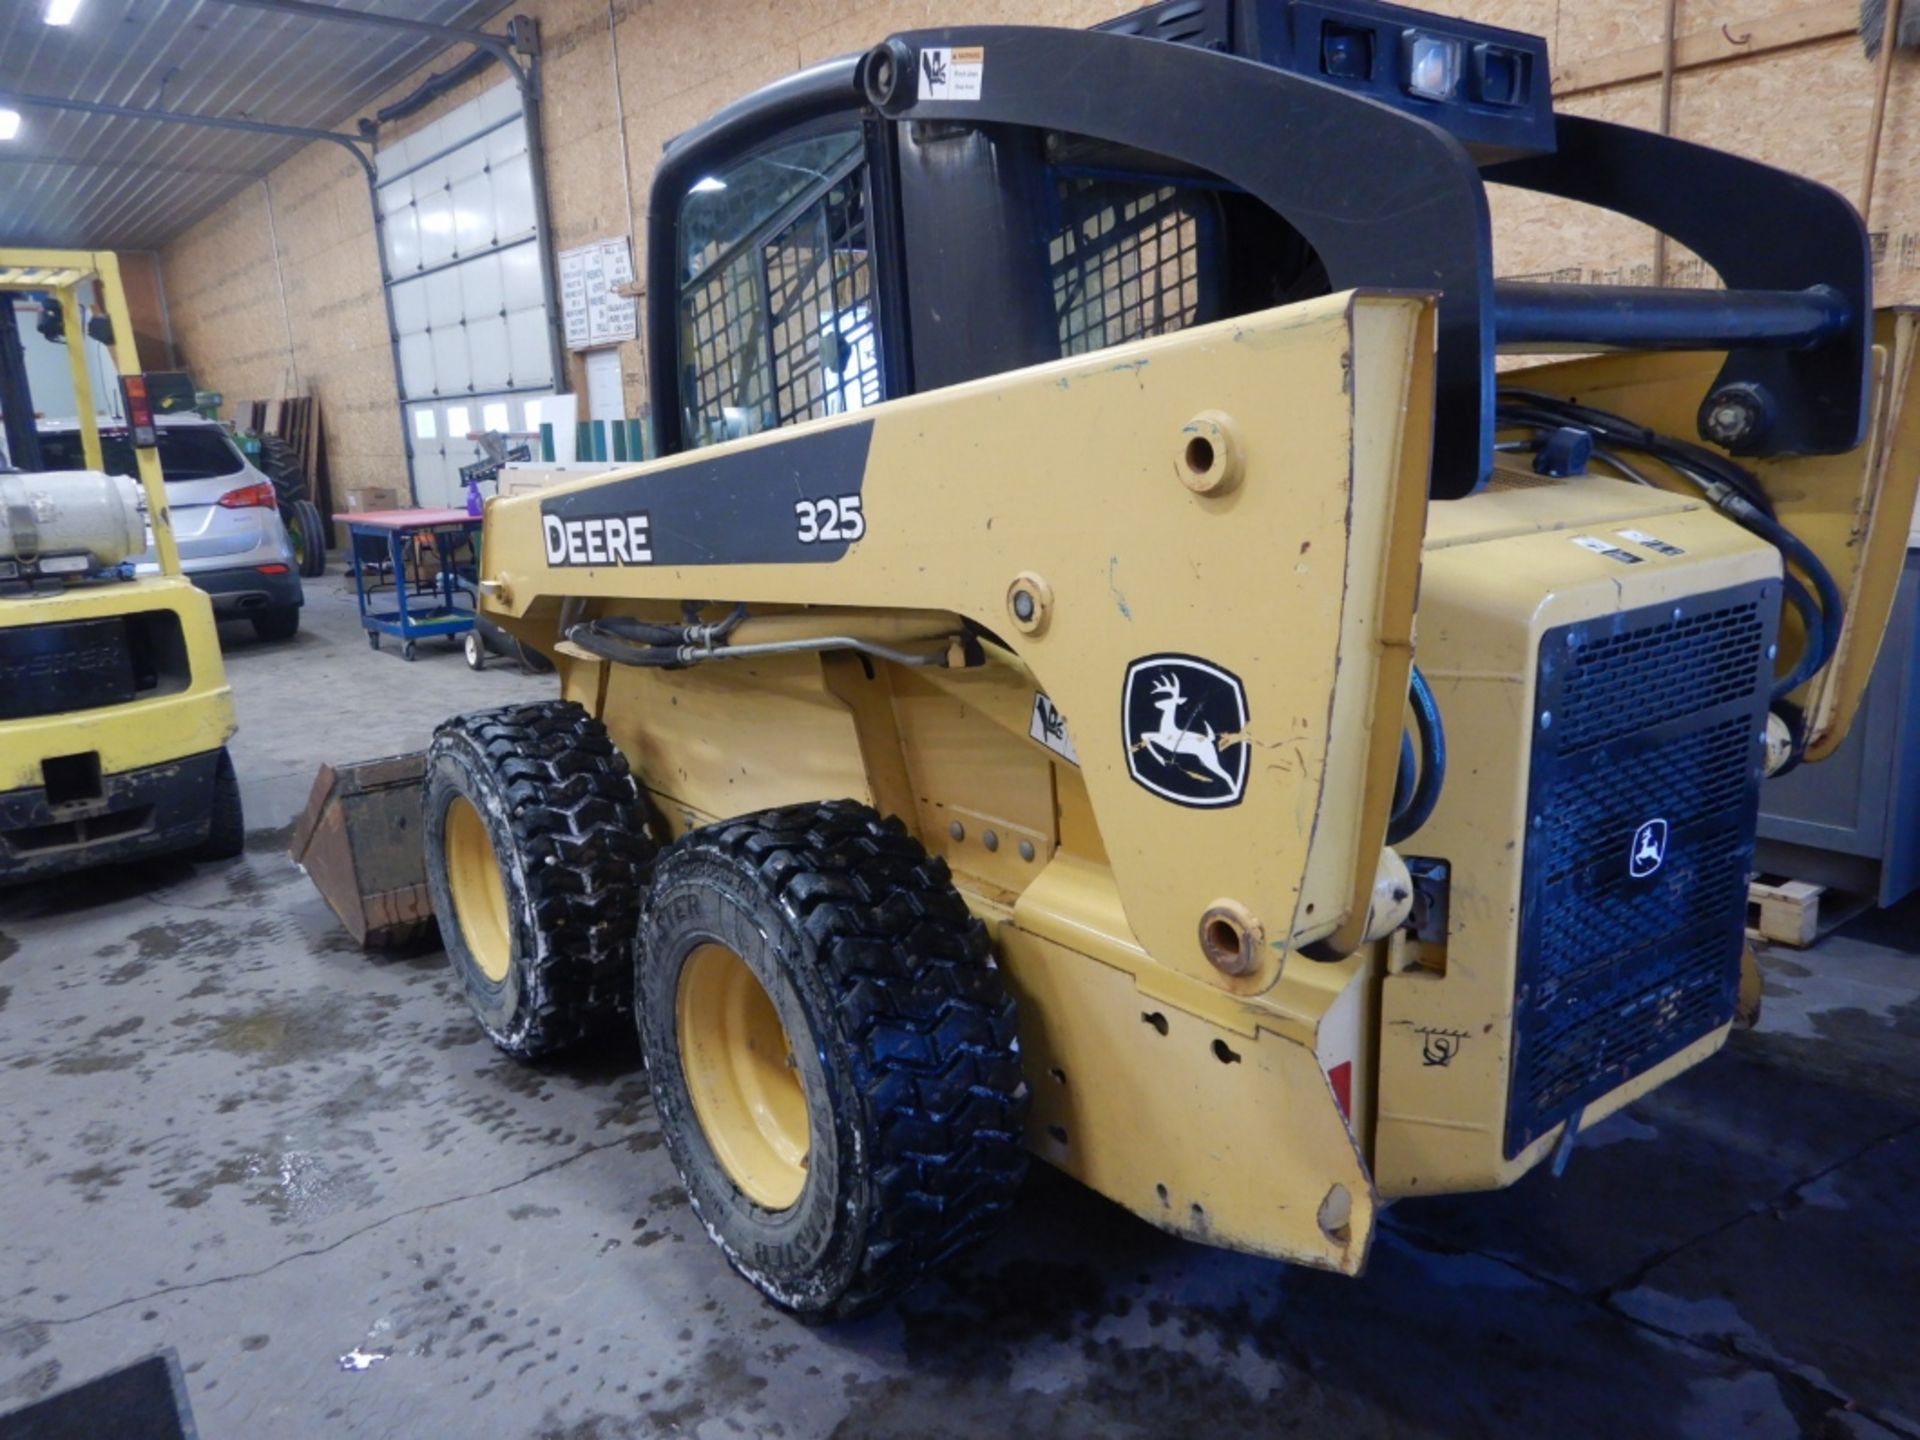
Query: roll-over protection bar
1388	199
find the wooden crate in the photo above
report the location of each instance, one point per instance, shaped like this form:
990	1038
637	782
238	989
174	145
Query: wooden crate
1785	913
1797	912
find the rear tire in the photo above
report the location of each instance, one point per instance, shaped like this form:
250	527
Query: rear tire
227	828
536	849
309	535
280	622
829	933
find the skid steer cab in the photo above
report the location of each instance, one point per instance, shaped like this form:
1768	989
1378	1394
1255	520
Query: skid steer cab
993	728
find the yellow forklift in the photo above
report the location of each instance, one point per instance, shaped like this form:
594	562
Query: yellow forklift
114	704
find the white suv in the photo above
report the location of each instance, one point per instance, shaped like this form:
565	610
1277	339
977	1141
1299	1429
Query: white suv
226	516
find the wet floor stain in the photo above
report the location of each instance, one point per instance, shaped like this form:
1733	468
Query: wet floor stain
309	1027
292	1152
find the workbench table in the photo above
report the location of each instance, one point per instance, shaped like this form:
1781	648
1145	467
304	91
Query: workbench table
448	610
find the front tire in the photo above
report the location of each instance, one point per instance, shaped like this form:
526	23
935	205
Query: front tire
227	825
832	1053
536	849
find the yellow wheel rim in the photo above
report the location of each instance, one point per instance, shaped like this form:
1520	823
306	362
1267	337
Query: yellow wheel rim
741	1075
479	892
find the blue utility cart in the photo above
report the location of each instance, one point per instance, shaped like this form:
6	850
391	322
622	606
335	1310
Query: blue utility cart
442	608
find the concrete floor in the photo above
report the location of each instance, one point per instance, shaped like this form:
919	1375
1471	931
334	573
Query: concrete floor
234	1135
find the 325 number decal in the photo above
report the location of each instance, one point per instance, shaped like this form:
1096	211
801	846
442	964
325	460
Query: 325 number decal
837	517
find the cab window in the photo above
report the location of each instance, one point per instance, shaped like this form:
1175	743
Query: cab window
776	290
186	453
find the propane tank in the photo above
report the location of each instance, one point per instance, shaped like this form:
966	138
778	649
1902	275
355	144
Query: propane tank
71	512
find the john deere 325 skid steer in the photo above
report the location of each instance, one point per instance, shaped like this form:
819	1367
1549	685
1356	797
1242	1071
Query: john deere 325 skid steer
994	728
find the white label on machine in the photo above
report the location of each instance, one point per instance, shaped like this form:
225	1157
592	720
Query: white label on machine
1611	551
1049	727
952	72
1652	542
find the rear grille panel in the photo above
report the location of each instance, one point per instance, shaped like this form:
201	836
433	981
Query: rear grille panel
1650	716
70	665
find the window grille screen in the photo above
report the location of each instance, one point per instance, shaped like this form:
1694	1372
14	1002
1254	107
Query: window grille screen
1126	260
782	329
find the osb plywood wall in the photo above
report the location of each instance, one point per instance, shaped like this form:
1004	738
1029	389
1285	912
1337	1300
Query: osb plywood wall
147	303
278	292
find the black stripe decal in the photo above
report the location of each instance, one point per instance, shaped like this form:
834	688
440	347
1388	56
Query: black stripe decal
796	501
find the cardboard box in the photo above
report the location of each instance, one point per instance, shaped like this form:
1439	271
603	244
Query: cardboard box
373	497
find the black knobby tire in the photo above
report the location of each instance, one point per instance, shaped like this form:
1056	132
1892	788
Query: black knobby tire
565	823
280	463
900	1029
227	826
276	622
309	535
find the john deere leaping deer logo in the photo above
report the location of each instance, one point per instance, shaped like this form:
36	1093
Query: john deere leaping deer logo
1648	850
1185	722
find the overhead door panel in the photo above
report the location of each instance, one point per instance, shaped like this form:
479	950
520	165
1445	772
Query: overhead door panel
475	342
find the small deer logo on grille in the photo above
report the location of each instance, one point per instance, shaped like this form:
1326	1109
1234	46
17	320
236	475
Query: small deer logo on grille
1179	740
1649	849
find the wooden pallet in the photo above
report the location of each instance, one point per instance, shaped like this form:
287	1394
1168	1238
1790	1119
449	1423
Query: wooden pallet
1796	913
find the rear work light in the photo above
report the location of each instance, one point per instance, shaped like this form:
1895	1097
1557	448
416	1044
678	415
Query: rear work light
1433	66
248	496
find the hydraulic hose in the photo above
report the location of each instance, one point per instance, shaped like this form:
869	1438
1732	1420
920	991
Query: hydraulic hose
1433	763
1808	665
1409	773
1833	607
1730	487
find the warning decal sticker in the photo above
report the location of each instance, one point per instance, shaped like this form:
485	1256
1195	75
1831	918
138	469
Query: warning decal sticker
1651	542
1049	727
949	72
1612	552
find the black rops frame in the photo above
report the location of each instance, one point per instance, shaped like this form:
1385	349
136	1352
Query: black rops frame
1387	199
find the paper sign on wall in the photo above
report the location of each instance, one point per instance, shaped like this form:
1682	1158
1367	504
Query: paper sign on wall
593	314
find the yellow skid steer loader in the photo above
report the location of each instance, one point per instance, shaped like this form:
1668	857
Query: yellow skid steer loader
993	726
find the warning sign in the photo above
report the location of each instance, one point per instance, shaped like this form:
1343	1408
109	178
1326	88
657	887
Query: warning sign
952	72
